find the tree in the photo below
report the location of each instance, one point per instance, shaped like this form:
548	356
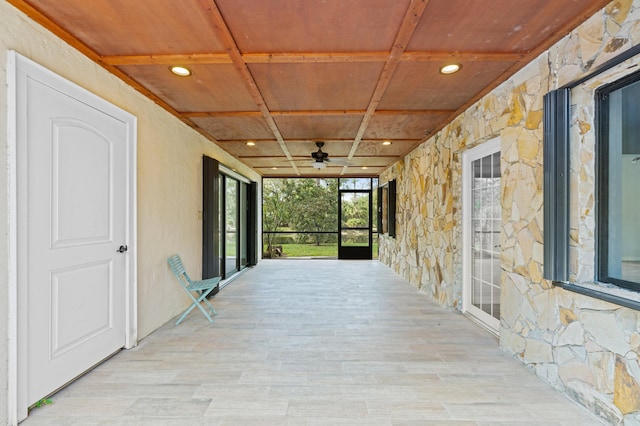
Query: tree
303	204
276	196
315	207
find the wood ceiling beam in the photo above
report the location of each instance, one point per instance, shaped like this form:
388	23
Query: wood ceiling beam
319	112
214	114
259	141
323	113
292	58
462	56
407	28
310	58
221	29
414	111
196	58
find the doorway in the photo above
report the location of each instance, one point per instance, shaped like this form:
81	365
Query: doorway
355	240
229	237
75	231
482	221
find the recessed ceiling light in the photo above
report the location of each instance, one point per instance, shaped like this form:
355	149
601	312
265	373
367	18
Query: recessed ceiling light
450	68
364	167
251	143
180	71
274	168
386	143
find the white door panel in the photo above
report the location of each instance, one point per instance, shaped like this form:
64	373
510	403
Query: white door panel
74	184
79	223
76	199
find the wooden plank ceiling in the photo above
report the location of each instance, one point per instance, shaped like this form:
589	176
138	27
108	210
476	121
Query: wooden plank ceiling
284	74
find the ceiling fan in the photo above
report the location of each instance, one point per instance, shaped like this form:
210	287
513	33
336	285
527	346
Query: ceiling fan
321	158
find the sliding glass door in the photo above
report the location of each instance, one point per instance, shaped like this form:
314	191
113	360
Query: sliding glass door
229	221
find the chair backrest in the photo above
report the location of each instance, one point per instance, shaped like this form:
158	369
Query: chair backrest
175	263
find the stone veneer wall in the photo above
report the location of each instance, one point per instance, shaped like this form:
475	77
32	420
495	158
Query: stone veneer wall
584	347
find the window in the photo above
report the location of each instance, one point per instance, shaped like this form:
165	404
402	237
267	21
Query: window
387	208
618	183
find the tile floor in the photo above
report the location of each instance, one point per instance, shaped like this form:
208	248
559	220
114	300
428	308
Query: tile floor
315	342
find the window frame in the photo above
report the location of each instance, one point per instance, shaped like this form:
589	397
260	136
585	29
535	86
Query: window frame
602	150
598	290
387	209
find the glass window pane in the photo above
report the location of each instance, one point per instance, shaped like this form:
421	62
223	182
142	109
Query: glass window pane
231	225
354	237
476	295
486	298
495	169
622	143
242	224
496	302
355	210
355	183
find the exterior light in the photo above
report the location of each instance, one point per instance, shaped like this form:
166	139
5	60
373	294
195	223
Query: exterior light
180	71
251	143
386	143
450	68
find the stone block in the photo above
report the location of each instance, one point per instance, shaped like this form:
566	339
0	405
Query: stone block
567	316
562	355
576	371
626	394
593	400
591	35
537	352
529	146
603	366
604	329
573	334
618	10
512	342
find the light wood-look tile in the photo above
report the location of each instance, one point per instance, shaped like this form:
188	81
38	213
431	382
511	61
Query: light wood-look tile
315	342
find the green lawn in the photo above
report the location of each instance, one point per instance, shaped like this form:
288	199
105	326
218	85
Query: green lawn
311	250
305	250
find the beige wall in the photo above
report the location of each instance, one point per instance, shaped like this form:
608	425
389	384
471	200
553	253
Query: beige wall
169	177
582	346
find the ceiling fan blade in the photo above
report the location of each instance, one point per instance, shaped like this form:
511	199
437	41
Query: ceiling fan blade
339	161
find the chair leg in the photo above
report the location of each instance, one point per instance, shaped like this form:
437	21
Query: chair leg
196	303
212	309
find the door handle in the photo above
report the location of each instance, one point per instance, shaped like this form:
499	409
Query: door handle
122	249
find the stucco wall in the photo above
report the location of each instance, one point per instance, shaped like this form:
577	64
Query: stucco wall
169	177
582	346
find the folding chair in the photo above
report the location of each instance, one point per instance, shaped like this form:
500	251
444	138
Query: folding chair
201	288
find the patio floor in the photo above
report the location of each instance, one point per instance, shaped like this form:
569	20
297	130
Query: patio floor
315	342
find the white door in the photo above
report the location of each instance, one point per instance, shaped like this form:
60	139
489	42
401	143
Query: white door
482	221
73	216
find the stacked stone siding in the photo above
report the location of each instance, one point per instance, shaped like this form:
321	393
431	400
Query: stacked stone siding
584	347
